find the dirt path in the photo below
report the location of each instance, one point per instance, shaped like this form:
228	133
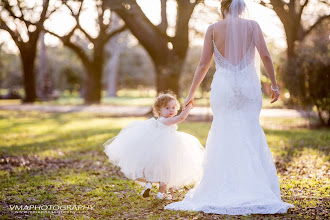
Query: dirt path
142	110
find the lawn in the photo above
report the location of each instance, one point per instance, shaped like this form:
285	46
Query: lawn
57	159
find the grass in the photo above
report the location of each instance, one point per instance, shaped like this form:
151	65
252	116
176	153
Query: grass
58	159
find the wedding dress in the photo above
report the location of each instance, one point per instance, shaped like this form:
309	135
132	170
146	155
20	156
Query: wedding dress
239	175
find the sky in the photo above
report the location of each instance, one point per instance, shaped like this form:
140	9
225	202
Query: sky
61	22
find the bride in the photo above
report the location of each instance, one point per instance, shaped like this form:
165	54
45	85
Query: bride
239	173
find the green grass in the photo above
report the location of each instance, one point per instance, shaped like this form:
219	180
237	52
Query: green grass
58	159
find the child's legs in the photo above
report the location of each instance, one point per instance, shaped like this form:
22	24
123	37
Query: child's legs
162	187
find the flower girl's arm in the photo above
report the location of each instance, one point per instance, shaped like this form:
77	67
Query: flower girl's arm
179	118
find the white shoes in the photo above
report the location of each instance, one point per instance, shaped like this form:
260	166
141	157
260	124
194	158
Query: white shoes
163	196
146	191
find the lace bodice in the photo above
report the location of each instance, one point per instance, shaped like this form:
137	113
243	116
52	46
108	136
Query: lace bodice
221	61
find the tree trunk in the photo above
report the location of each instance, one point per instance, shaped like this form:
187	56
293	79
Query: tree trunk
168	75
28	59
155	39
290	39
93	84
112	69
114	48
94	70
93	87
42	68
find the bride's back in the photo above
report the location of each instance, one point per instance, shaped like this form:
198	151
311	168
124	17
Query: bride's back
241	38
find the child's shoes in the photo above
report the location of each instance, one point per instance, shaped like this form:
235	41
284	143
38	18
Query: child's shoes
146	191
163	196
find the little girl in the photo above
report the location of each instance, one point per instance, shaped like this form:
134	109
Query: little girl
153	151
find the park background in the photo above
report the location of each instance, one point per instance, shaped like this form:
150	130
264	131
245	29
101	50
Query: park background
74	73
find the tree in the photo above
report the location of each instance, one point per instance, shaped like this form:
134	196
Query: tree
311	86
114	48
303	74
42	70
290	13
93	62
28	23
167	52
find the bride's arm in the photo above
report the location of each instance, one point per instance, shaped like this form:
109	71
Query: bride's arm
203	65
265	57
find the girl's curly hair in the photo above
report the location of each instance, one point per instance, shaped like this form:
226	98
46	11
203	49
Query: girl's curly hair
162	100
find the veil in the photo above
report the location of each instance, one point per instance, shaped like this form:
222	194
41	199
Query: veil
242	35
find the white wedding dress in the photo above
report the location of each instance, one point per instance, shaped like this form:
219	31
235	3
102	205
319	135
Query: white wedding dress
239	176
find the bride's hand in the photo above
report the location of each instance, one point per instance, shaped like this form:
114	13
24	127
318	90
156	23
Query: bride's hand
187	101
275	96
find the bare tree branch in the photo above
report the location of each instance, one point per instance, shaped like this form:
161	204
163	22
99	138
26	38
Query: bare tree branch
278	5
303	6
317	23
185	9
9	9
113	33
163	24
14	34
139	24
100	11
325	2
76	17
43	14
301	11
52	11
67	42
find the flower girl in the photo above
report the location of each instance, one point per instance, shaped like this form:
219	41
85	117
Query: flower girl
153	151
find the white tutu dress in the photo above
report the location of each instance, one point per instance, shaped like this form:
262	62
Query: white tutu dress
154	152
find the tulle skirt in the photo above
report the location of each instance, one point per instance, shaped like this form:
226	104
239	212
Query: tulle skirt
153	152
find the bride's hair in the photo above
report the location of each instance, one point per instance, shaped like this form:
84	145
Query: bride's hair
162	100
225	7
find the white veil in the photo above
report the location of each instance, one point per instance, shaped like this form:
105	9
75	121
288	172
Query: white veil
242	35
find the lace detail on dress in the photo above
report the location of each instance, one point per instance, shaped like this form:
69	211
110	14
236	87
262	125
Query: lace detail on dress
238	75
244	209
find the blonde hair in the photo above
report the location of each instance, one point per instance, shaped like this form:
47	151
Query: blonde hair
162	100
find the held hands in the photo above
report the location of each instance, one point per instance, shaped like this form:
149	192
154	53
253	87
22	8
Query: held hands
188	107
189	100
185	112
